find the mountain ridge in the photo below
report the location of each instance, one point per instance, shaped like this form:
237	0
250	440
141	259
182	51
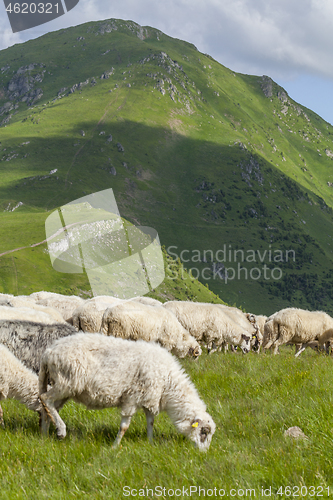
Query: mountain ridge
205	155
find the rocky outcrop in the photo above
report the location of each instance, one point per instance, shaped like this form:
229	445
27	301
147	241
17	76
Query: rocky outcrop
107	74
282	96
22	82
19	85
104	27
251	172
32	96
6	108
22	87
266	84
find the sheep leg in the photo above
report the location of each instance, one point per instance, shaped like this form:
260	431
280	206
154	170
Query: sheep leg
44	420
150	424
267	344
124	425
328	347
282	338
276	349
212	347
50	401
303	347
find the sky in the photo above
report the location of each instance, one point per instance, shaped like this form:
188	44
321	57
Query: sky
289	40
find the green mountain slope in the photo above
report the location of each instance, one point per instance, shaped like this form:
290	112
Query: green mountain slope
226	167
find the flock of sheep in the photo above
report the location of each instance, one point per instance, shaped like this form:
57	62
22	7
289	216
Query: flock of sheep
55	347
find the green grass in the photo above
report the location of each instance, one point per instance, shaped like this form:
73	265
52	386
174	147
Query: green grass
28	268
252	399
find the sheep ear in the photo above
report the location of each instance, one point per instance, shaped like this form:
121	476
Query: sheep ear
196	422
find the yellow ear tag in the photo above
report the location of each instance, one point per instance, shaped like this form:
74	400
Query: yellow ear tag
195	424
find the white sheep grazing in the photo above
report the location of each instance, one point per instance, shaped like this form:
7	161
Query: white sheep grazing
258	321
28	302
17	382
16	300
22	301
296	326
133	320
102	372
209	324
26	314
65	304
5	302
146	300
88	316
4	296
269	333
323	343
246	322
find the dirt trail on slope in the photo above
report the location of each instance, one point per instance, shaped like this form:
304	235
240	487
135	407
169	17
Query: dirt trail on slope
41	242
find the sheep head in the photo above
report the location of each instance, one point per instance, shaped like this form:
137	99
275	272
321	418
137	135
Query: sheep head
194	352
245	343
201	431
255	343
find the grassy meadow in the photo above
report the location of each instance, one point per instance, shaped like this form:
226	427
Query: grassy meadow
253	399
208	158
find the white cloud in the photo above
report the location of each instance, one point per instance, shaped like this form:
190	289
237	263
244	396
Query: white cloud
282	38
7	37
